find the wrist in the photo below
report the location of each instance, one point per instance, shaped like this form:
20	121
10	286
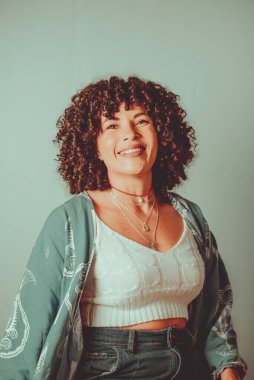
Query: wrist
230	374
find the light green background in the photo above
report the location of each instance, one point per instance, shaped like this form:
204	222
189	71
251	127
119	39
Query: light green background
201	50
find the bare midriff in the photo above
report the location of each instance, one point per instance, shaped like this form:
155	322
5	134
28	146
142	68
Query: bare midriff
160	324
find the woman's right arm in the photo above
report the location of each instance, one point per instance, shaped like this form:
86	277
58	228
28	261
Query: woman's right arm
35	306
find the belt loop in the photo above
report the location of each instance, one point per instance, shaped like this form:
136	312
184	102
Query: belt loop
131	338
169	336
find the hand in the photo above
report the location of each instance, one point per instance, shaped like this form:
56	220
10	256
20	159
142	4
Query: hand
230	374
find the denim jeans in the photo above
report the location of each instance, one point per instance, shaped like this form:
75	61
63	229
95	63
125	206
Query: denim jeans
112	353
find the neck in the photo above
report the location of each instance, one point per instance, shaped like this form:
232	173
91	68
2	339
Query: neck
133	191
135	186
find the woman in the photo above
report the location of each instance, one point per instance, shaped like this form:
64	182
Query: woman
125	279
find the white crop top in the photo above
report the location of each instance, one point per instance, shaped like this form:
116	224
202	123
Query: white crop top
129	283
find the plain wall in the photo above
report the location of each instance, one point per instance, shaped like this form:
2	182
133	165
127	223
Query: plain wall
200	49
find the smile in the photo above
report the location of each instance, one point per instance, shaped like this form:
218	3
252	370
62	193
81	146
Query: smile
133	151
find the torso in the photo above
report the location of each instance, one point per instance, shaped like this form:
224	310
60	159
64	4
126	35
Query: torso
169	231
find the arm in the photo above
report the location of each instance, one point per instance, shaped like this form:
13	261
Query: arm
216	352
221	349
34	308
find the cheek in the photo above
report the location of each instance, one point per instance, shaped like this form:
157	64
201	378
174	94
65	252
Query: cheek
154	151
106	145
154	143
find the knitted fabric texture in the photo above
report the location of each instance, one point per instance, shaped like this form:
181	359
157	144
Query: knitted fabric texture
129	283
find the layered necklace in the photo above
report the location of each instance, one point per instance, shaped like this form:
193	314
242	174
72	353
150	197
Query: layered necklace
140	197
121	205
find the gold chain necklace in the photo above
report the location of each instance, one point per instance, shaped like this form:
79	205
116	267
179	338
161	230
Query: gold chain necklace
134	204
139	196
145	226
151	242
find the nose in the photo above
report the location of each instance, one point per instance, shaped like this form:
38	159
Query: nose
129	131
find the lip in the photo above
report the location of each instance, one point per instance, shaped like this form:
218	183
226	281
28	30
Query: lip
132	147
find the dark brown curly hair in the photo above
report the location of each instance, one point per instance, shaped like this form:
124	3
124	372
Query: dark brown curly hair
80	124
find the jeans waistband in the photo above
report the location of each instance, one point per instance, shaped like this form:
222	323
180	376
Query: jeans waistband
170	337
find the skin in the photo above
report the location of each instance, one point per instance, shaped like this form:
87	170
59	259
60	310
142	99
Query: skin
230	374
133	174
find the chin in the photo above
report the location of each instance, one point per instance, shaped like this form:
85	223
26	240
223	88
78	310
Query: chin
133	170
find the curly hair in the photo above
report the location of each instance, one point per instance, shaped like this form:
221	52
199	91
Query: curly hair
79	127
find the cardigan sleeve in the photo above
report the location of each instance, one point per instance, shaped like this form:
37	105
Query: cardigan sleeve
221	349
35	305
211	311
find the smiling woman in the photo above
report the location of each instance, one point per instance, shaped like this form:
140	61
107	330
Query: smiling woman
125	280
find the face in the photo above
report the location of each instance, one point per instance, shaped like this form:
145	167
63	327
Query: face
127	143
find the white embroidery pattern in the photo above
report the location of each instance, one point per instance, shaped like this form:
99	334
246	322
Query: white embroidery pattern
12	343
222	329
45	252
223	325
82	274
74	321
41	361
66	300
182	207
77	332
61	348
69	250
208	240
224	298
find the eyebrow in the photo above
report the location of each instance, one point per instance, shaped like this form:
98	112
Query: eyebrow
117	118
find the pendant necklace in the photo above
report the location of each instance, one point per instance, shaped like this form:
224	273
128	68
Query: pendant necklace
145	226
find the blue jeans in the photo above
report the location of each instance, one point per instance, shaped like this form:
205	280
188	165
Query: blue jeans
112	353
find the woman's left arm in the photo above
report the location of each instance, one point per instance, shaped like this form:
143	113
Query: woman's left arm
221	348
218	345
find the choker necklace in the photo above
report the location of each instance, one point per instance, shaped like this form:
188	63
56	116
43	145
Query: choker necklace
139	196
149	200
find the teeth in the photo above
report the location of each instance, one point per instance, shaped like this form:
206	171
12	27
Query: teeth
132	150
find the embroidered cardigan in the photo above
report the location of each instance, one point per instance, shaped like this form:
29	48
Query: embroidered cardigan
43	338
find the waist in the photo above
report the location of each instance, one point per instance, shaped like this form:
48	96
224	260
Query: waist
158	324
121	337
155	315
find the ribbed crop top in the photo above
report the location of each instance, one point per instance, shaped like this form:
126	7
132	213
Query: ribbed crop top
129	283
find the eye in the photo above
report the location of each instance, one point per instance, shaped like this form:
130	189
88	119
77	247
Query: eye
111	126
142	121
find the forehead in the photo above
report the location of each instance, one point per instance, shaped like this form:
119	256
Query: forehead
132	111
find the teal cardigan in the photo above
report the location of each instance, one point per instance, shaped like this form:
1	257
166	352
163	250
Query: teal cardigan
43	338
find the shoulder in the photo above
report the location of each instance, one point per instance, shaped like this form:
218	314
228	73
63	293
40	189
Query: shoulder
70	208
194	215
72	213
192	206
